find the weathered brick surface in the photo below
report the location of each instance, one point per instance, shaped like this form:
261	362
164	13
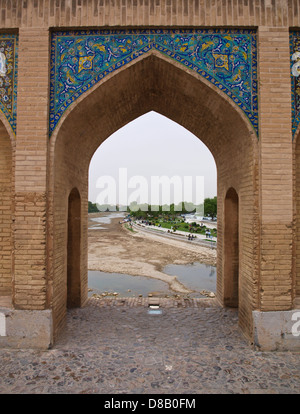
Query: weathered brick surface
30	276
41	174
276	173
72	13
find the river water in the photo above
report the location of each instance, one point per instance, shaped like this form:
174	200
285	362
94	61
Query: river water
105	220
195	276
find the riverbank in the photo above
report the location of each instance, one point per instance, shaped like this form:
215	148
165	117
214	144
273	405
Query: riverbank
114	249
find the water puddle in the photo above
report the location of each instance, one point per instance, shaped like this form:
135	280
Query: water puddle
126	285
105	220
197	276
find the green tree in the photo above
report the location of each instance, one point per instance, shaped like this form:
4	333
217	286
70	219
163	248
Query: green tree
210	207
92	207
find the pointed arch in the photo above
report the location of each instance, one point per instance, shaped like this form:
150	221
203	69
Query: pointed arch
155	83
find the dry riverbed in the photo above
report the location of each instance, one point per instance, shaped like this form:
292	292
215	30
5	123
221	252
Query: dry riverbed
115	249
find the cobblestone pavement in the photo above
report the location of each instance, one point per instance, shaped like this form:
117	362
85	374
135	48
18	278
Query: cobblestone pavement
116	346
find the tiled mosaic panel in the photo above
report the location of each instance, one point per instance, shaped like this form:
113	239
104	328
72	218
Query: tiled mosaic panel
8	77
295	77
227	58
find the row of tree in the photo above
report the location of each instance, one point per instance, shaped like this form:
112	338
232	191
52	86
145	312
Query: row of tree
141	210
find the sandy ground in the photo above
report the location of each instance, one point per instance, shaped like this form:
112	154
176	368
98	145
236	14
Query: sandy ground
114	249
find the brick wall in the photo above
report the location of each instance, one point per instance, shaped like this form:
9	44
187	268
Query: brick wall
276	172
30	283
73	13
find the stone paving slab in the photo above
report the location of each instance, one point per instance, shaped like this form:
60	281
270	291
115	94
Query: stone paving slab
114	346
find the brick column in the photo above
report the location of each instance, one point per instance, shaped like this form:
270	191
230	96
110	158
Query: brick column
30	279
276	170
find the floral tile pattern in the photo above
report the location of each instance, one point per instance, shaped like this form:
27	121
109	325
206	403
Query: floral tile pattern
226	58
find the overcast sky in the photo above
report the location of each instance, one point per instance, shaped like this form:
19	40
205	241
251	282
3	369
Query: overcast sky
151	145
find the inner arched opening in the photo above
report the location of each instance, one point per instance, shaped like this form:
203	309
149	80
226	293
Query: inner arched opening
148	179
6	209
155	84
231	249
73	250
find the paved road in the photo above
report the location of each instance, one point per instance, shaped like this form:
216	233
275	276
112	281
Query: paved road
116	346
180	236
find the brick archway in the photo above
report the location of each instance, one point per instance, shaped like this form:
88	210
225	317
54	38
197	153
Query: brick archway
153	83
262	173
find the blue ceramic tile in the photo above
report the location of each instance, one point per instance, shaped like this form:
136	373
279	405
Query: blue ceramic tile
226	58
